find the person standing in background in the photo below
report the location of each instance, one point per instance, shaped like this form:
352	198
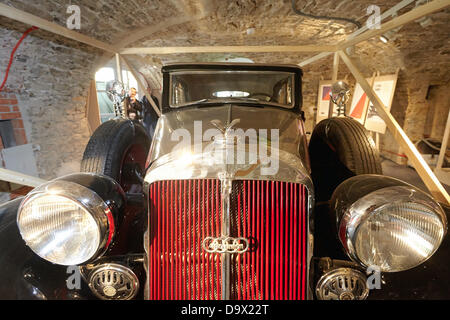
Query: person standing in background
133	106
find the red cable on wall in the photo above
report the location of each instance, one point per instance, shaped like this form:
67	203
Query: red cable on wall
11	59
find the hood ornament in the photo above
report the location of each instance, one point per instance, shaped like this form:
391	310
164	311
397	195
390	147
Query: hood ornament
225	129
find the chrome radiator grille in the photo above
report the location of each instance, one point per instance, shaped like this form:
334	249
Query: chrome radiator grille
271	215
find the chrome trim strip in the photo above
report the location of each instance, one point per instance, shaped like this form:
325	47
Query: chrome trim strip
226	182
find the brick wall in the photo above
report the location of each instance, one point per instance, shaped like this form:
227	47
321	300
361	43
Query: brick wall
9	110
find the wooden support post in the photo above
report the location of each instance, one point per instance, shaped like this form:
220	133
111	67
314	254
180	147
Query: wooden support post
333	80
20	178
422	168
377	140
444	144
335	67
314	58
92	109
443	173
118	68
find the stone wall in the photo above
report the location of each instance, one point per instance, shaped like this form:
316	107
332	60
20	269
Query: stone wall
50	75
49	79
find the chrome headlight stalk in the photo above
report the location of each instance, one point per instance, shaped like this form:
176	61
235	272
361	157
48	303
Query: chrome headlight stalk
71	220
385	223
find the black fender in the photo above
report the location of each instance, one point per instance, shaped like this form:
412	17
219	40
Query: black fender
23	274
428	281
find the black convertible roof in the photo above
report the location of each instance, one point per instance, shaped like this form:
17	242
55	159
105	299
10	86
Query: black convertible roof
232	66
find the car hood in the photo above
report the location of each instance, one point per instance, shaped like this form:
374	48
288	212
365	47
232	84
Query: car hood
197	121
186	145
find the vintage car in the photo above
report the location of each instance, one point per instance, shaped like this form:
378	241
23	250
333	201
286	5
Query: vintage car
227	200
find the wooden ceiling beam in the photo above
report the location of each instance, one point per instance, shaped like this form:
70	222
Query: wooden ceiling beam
228	49
385	15
414	14
20	178
30	19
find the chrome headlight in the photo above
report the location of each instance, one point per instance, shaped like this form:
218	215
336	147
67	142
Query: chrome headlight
392	226
66	223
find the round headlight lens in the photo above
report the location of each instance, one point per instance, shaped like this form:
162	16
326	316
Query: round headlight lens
398	237
59	229
394	228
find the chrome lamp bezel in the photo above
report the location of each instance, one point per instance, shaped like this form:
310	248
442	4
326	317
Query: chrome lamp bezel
87	199
349	221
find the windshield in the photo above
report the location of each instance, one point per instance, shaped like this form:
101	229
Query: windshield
203	87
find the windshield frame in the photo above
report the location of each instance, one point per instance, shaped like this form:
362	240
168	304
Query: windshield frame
171	68
236	100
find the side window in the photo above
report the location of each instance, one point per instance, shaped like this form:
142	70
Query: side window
282	91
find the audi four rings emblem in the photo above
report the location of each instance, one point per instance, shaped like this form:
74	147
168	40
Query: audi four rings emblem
225	245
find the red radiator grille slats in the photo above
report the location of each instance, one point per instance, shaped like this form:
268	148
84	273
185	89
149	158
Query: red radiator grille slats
270	214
